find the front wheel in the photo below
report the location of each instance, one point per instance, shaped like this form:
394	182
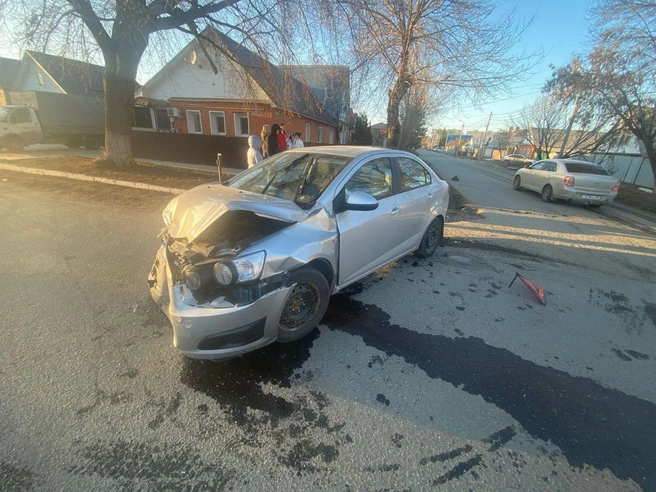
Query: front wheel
305	306
432	238
517	183
547	193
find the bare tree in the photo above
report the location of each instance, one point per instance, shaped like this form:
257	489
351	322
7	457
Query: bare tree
544	124
617	77
453	45
122	30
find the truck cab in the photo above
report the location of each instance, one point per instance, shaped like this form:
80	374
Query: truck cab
19	127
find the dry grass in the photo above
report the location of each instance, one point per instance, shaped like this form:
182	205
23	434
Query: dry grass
141	173
630	195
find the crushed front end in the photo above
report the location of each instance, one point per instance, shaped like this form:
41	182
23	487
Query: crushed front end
213	294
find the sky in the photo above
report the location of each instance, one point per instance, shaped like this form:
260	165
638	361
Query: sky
560	29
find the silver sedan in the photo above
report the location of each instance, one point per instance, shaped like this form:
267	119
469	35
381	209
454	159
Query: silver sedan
571	180
255	260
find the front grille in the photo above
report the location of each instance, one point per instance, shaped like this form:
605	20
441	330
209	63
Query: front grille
234	338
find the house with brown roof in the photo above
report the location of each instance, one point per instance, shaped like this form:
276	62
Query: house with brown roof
227	89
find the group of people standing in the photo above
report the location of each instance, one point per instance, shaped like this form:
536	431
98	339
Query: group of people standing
272	140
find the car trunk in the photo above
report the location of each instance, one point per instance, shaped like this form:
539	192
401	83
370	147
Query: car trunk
593	183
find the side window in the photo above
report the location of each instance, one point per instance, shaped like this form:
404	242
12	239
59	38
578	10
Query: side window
413	174
538	166
551	167
375	178
20	116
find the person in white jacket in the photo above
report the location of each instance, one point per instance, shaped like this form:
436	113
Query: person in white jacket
254	156
295	141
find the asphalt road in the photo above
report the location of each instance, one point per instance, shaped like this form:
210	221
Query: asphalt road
429	373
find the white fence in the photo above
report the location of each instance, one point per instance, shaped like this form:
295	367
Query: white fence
627	168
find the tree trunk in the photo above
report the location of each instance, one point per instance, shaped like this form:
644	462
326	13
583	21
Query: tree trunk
651	157
396	95
119	82
119	100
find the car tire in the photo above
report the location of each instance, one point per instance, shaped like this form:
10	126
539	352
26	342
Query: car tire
433	238
547	193
517	183
305	306
14	144
92	143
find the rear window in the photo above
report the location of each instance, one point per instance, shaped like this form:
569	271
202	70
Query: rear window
584	168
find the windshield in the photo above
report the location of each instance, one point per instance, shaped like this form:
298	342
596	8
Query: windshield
4	114
298	177
584	168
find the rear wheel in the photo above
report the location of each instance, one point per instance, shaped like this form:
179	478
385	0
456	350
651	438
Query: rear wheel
547	193
432	238
517	183
14	144
305	306
93	143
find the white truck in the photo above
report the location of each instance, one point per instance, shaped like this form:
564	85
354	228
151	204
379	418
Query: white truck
47	117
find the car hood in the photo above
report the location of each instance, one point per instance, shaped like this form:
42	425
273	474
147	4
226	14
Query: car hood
193	211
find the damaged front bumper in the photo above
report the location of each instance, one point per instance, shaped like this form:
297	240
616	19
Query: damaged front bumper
216	329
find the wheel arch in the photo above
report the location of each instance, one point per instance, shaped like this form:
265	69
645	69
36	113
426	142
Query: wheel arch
325	268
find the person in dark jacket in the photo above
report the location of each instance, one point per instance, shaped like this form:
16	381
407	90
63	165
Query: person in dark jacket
273	147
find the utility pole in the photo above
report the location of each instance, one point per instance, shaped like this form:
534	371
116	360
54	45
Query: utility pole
480	147
460	138
569	128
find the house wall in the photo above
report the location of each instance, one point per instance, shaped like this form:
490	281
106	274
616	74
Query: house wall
181	78
258	116
28	79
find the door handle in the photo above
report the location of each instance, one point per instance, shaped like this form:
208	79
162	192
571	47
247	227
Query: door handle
429	196
395	211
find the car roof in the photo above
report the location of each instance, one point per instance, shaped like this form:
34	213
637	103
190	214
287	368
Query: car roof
347	150
568	161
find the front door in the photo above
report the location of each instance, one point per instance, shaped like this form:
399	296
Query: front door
21	123
367	240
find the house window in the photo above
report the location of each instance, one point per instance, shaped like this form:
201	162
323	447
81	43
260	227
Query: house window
320	139
331	136
163	120
217	123
39	77
142	117
308	127
193	122
241	125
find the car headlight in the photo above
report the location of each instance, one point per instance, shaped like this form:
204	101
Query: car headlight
243	269
223	273
167	214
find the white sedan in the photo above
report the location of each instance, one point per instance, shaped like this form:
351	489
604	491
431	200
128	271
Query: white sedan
571	180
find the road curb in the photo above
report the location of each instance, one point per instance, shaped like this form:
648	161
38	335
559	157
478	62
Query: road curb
95	179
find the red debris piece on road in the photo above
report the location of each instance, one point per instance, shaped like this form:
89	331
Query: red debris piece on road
536	289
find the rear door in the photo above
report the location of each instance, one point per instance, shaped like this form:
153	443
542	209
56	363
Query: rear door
415	199
367	239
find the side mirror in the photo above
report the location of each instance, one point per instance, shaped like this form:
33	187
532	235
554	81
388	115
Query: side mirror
359	200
